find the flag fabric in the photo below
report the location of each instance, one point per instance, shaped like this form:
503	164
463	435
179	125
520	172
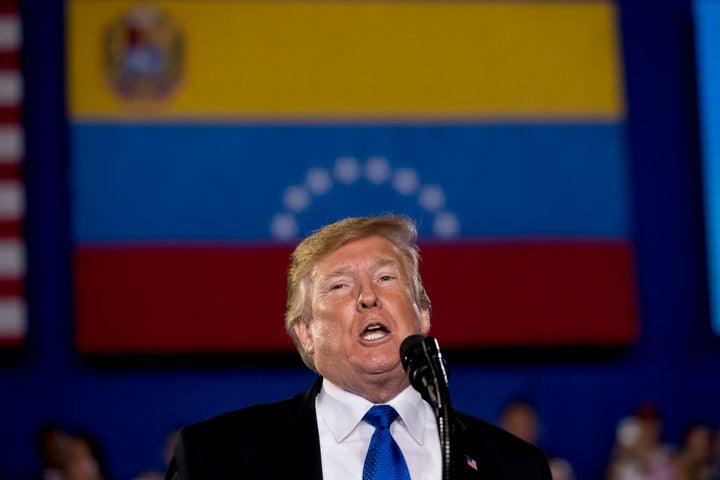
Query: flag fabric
208	137
13	323
707	39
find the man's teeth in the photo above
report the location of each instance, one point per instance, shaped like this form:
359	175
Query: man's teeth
374	332
374	335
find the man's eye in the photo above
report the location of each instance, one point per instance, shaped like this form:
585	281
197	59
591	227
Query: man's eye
385	278
337	286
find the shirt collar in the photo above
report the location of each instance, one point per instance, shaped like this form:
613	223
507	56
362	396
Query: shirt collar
342	411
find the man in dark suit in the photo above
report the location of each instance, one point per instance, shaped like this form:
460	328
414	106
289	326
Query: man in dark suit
354	294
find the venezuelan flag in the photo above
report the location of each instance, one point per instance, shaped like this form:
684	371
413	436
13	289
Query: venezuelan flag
208	136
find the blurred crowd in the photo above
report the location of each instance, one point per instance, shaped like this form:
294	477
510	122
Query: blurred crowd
637	454
67	455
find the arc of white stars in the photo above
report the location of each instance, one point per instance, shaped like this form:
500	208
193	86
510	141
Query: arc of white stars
378	171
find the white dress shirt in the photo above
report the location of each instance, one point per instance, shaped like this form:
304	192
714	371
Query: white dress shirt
345	438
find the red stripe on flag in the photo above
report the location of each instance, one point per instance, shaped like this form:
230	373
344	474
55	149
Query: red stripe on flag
9	60
185	299
11	288
180	299
538	294
12	341
9	114
8	7
9	171
10	228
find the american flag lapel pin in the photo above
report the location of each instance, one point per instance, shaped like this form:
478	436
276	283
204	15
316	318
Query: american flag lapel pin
471	463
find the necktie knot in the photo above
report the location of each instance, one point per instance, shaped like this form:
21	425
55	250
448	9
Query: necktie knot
381	416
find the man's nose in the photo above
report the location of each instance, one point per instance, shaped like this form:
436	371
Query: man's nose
367	297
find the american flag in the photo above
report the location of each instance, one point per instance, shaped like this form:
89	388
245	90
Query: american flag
471	463
12	198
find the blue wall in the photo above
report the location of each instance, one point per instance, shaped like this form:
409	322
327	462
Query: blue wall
131	403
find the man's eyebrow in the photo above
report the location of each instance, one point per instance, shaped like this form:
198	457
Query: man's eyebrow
385	262
347	269
338	272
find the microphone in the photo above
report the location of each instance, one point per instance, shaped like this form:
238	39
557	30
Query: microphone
425	366
421	358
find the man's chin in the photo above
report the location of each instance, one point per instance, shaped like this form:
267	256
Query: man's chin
383	367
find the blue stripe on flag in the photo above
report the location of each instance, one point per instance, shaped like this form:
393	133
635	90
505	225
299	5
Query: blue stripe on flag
229	182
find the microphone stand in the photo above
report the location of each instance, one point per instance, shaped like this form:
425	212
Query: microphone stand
443	409
423	361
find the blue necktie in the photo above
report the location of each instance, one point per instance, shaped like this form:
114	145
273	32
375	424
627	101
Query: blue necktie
384	459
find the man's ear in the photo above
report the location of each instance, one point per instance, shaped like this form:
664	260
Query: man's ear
424	321
302	330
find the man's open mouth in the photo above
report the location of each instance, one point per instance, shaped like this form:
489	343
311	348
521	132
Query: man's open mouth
374	331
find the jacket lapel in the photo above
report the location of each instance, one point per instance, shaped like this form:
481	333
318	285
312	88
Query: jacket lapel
469	463
298	452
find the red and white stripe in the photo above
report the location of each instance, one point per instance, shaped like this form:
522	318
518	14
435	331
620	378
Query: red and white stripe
13	318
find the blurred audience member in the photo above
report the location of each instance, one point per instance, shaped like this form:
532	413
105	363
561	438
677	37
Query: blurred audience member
715	469
638	453
561	469
68	457
694	460
83	461
53	446
519	418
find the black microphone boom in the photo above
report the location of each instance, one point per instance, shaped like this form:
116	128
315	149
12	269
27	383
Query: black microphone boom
425	366
421	359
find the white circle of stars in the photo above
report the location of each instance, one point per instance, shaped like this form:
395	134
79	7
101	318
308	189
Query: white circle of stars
378	171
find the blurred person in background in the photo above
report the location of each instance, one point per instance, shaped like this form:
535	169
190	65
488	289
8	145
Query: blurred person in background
53	445
715	470
520	418
84	460
66	456
638	453
694	460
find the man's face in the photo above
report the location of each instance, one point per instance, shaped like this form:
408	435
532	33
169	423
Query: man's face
362	310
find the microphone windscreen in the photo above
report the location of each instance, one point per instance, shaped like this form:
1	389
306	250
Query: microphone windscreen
409	343
417	363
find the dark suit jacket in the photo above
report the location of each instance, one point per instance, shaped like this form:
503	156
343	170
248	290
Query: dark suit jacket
280	440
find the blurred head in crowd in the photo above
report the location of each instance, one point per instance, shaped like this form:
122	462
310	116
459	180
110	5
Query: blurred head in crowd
519	418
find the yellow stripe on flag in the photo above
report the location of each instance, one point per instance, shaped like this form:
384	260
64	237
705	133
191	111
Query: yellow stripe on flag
358	60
